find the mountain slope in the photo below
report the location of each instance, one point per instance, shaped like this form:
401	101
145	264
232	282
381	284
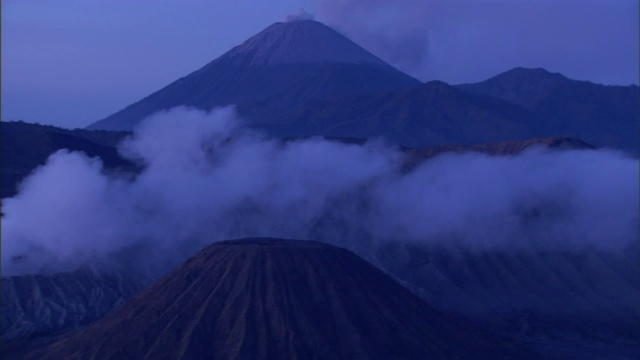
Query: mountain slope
302	41
577	304
284	299
40	304
603	115
513	106
521	86
26	146
552	283
273	64
429	114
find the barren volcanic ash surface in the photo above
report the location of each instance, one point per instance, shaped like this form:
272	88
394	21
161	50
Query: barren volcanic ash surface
264	298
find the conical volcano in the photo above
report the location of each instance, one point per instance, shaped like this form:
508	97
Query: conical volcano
282	66
302	41
277	299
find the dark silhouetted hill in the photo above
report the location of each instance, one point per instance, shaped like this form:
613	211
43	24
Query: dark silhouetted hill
26	146
278	299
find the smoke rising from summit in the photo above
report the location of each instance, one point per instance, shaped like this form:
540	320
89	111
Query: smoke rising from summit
435	39
206	178
300	14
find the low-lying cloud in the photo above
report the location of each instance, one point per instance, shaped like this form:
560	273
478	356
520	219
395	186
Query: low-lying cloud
206	178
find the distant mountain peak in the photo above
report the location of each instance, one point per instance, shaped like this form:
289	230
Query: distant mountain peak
532	73
521	86
287	63
301	41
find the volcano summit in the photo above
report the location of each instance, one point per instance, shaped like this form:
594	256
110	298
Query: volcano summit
285	64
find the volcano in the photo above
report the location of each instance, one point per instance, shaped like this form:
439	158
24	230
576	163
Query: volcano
277	299
285	64
302	78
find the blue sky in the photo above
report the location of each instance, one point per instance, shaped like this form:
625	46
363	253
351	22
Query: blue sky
72	62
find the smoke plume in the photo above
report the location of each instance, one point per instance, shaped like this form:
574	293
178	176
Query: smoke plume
206	178
300	14
435	39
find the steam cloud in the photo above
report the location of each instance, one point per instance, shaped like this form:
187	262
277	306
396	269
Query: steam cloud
396	31
300	14
434	39
206	178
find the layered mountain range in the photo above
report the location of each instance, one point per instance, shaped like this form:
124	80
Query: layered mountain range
267	298
303	78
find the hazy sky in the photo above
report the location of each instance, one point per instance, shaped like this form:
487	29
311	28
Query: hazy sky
72	62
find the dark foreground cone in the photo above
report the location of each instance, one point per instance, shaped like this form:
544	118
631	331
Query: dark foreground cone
277	299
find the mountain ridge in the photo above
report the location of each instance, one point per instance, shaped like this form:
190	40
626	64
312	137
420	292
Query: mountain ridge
303	78
604	115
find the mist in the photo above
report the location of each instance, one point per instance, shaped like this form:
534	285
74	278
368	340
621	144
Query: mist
206	178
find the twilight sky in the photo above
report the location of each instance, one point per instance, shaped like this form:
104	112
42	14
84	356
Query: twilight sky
72	62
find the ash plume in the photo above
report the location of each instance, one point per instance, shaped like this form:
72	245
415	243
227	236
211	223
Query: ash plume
434	39
398	32
206	178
